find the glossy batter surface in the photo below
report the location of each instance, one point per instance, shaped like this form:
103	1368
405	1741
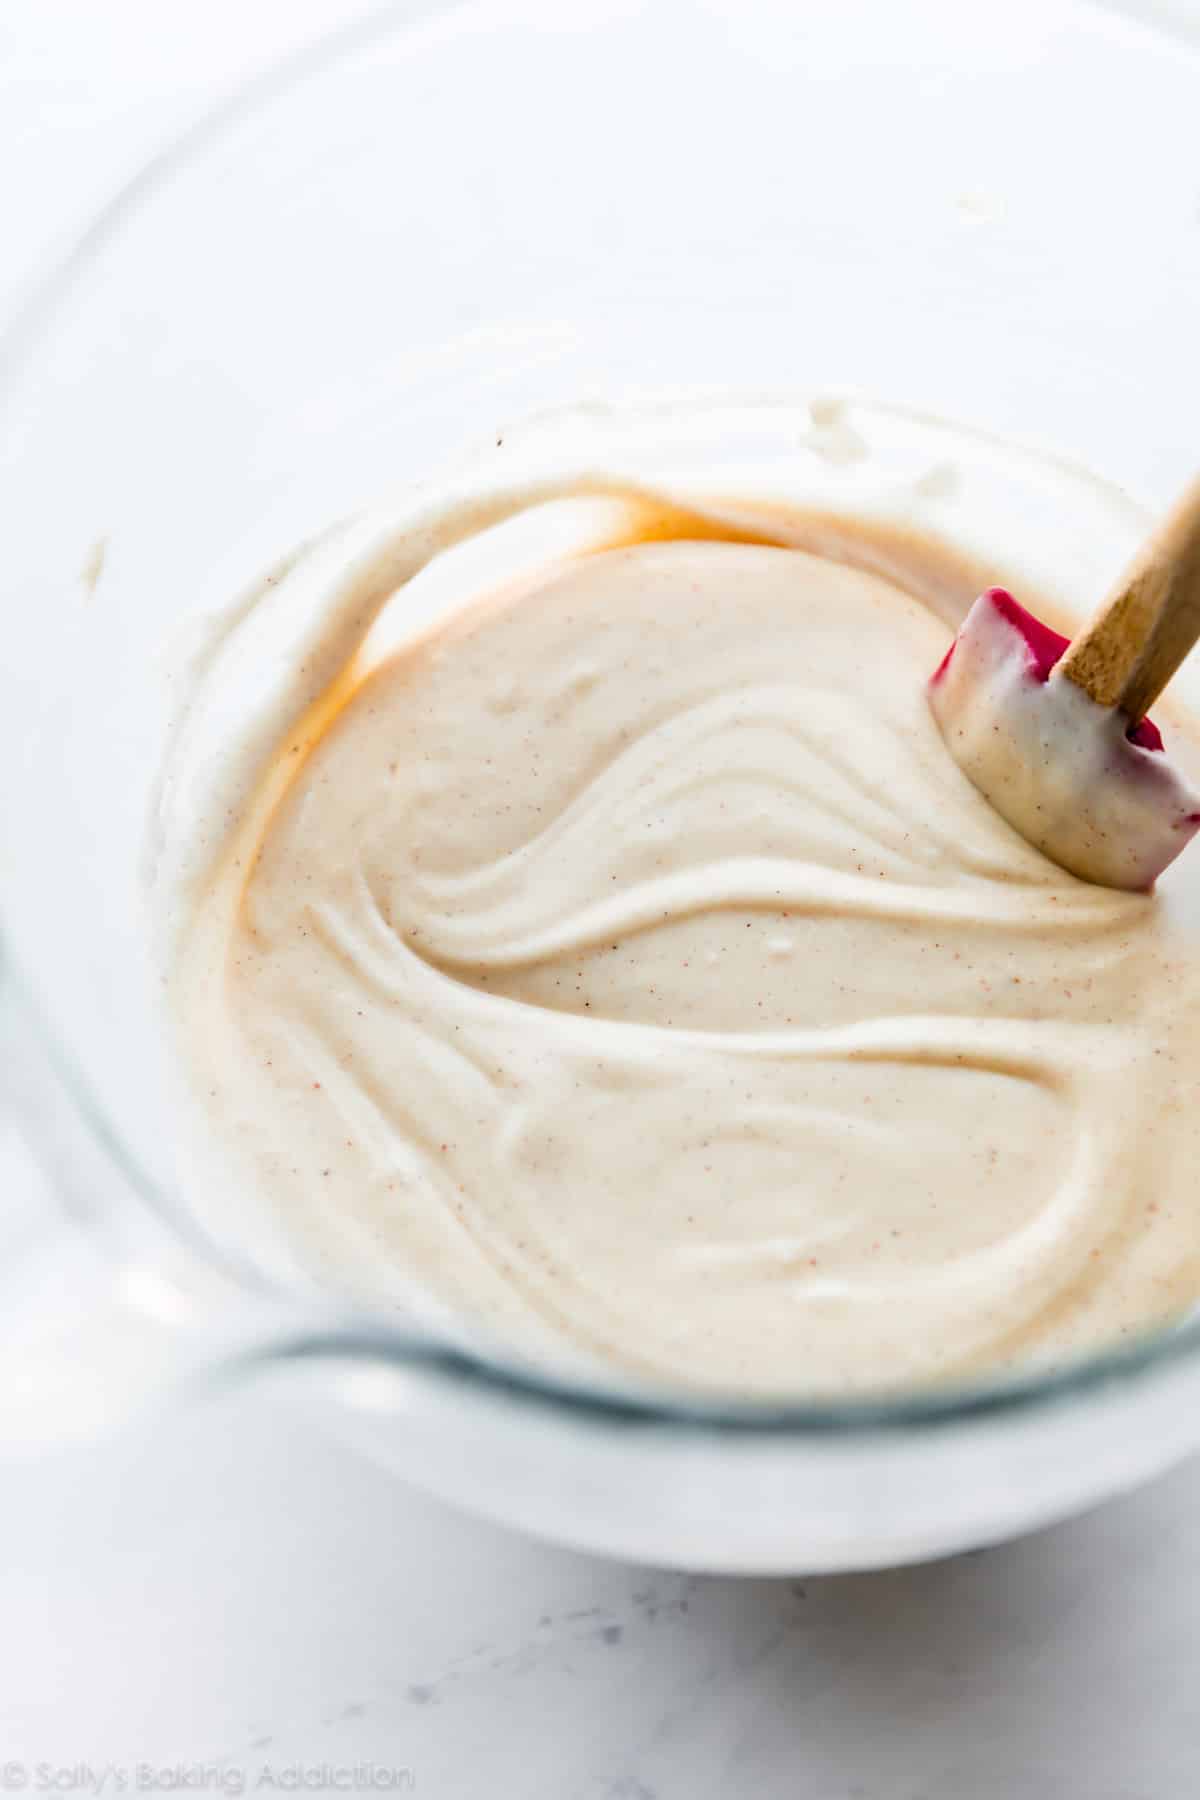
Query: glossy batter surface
624	966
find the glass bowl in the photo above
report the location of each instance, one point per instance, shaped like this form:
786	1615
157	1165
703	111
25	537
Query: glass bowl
383	254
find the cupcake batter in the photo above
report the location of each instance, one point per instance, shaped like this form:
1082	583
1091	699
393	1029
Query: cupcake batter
618	966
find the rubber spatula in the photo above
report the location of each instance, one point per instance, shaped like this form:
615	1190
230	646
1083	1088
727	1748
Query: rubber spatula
1054	732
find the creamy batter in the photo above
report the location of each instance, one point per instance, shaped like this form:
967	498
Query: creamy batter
614	964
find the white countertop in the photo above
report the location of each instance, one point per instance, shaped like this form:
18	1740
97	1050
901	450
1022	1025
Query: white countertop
236	1588
230	1588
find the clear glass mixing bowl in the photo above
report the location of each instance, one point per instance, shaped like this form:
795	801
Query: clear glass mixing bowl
386	251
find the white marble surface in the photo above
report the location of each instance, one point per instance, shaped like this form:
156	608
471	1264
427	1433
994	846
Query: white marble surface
230	1587
234	1588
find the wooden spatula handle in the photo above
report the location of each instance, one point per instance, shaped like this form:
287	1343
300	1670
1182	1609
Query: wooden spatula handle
1130	650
